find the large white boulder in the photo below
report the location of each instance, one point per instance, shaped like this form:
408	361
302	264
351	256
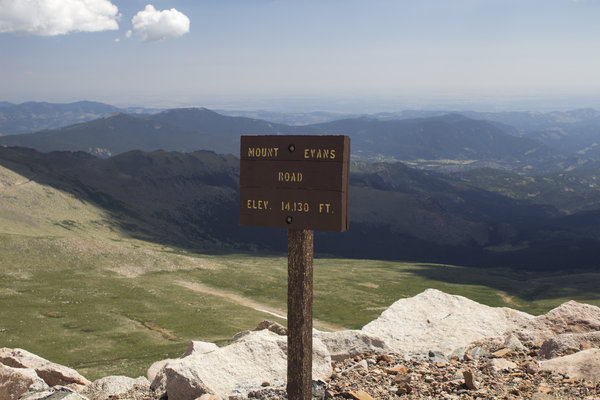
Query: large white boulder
257	355
440	322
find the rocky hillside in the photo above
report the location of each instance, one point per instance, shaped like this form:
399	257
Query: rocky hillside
433	345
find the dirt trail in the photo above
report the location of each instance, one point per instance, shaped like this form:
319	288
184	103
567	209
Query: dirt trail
243	301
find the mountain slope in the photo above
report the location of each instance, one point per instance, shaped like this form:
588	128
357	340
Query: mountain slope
111	135
450	137
577	131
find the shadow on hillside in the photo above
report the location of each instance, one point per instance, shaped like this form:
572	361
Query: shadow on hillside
526	285
191	201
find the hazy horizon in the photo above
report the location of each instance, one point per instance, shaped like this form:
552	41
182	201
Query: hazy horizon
357	106
297	56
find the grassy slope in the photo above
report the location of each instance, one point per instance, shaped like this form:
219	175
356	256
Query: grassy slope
75	290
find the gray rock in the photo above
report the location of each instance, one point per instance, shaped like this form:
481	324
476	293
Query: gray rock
512	342
14	382
496	365
104	388
568	343
477	352
258	355
362	365
53	374
272	326
441	322
582	365
350	343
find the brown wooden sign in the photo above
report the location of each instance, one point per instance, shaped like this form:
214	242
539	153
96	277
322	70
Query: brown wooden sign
295	182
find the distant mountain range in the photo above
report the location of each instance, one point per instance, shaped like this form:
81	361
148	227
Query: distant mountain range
35	116
192	200
447	142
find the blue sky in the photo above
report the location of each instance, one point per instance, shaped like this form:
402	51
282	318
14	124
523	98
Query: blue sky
308	55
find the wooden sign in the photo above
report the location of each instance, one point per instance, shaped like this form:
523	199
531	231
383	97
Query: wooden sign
295	182
299	183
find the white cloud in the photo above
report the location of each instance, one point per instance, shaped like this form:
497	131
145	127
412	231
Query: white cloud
128	34
151	25
57	17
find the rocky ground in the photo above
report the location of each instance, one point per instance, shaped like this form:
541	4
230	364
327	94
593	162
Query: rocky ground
497	373
391	377
479	353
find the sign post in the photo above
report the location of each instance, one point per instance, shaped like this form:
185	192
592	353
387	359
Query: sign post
299	183
300	299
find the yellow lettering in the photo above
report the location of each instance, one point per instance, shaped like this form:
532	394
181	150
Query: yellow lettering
296	206
263	152
289	176
258	204
325	208
320	153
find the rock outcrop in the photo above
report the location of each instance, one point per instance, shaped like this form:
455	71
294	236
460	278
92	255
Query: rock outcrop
440	322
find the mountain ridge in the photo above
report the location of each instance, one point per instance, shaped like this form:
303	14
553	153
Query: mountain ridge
450	141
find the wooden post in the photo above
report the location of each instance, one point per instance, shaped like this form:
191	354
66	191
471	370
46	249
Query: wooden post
300	297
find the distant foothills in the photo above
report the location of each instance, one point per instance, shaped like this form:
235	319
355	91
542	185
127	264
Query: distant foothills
514	189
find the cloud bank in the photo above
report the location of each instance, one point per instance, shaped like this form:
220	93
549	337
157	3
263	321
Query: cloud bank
57	17
151	25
